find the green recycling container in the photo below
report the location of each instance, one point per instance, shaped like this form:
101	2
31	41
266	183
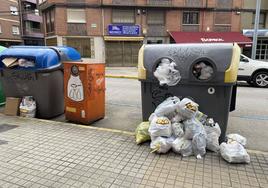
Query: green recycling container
2	96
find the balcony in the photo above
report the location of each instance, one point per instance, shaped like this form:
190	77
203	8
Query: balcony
156	31
159	2
32	17
32	32
77	29
190	28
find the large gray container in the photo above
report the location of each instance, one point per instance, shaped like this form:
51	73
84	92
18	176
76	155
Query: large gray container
44	81
212	95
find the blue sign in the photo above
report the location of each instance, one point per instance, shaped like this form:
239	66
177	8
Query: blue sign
124	30
250	32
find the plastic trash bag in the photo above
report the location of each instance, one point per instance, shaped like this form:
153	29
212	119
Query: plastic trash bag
234	152
167	107
236	137
142	134
26	63
188	108
192	127
28	107
206	72
177	129
199	145
152	116
182	146
213	134
160	126
166	73
161	144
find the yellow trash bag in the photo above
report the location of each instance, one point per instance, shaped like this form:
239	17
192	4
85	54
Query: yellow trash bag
142	134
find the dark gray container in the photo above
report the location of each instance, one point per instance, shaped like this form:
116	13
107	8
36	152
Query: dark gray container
212	95
44	81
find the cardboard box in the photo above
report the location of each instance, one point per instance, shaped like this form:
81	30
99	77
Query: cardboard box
12	106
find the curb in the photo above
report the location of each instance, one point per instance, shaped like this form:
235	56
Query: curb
122	76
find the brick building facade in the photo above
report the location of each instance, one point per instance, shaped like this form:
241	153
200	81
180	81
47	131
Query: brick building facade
9	23
113	30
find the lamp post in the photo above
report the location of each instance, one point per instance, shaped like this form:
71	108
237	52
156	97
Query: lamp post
256	27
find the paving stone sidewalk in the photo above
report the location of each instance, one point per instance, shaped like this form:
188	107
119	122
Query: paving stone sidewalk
36	153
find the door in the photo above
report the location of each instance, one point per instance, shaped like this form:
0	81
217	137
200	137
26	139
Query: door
122	53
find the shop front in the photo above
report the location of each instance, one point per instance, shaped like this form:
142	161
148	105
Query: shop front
262	43
244	42
122	45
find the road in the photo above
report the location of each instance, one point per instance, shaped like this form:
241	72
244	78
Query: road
250	119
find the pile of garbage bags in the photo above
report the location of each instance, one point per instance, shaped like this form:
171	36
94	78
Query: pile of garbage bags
179	126
28	107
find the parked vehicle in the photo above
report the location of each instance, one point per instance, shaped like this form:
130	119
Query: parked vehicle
255	72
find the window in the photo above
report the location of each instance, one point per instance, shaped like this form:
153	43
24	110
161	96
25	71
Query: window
83	45
224	3
261	21
76	16
15	30
156	17
190	18
222	21
123	16
13	10
49	20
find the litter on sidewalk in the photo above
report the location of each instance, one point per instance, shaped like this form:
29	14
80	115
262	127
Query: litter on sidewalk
179	125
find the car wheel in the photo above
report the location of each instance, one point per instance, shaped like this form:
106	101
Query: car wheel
260	79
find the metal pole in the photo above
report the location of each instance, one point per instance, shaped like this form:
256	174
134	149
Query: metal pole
256	27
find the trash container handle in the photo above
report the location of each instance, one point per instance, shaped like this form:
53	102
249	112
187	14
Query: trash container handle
62	56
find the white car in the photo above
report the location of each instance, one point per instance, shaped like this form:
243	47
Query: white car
253	71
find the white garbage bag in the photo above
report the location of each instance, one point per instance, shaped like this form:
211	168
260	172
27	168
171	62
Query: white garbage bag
28	107
177	129
206	72
26	63
213	134
199	145
201	117
234	152
161	144
236	137
152	116
192	127
166	73
167	107
188	108
182	146
160	126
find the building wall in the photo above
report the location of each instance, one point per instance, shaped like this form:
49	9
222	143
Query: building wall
7	21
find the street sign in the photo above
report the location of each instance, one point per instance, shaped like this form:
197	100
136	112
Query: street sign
124	30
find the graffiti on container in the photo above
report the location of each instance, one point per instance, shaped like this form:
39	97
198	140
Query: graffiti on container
99	82
90	85
75	89
159	94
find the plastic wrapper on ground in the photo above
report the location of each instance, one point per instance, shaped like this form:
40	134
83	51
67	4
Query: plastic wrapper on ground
142	134
166	73
236	137
160	126
161	144
234	152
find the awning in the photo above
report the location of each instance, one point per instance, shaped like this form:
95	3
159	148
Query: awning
211	37
112	38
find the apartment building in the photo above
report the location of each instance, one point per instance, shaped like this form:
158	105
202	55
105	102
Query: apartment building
31	22
112	31
247	25
9	23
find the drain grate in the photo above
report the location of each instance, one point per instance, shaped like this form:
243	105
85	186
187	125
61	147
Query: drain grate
7	127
